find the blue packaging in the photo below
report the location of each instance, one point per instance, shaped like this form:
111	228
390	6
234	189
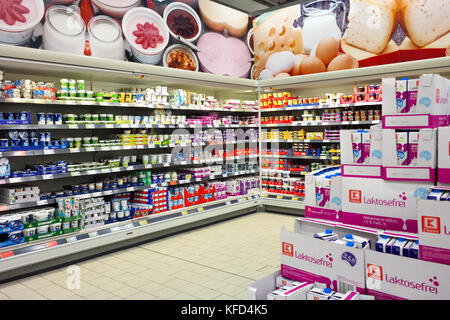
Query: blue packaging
23	134
58	118
15	143
10	116
41	118
397	247
24	116
50	118
34	142
25	142
414	250
4	143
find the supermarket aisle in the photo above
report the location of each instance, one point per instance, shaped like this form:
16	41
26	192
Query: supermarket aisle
215	262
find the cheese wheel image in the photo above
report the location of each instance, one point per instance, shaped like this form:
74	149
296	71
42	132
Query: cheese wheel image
275	32
425	20
219	18
371	24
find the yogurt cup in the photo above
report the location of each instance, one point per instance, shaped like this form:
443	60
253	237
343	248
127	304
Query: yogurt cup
150	19
105	38
19	33
43	229
29	232
189	13
116	8
55	227
186	52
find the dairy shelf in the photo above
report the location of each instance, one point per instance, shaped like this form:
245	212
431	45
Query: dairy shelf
165	106
323	79
301	157
43	152
45	251
119	126
301	141
323	106
318	124
118	169
7	207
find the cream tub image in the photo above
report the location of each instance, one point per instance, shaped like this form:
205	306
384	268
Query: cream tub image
17	21
116	8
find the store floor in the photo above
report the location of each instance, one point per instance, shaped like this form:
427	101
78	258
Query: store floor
214	262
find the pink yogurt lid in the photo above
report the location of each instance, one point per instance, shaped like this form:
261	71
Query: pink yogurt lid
224	56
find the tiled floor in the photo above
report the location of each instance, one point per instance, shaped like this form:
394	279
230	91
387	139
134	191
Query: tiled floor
214	262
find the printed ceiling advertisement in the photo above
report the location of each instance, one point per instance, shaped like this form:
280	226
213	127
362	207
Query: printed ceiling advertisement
196	35
323	36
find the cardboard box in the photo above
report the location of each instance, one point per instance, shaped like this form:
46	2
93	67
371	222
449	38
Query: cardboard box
390	277
294	291
422	167
434	230
444	155
432	103
376	203
304	258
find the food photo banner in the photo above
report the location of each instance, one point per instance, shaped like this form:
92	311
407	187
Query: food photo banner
196	35
324	36
203	36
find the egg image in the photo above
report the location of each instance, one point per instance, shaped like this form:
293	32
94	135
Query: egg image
295	71
266	74
327	49
312	65
282	75
342	62
282	61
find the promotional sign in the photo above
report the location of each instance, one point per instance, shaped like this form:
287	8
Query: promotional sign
387	205
324	36
304	258
390	277
195	35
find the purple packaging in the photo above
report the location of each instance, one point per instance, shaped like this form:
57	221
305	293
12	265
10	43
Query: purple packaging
413	146
401	94
413	89
357	147
365	147
402	148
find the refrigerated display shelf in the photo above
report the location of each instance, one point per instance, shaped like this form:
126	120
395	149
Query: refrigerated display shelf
318	123
165	106
116	169
6	207
125	225
324	106
41	152
301	141
302	157
118	126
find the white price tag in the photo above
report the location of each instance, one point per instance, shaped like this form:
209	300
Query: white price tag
96	194
73	126
140	146
105	170
115	229
47	176
90	149
109	126
49	151
71	239
130	189
92	171
105	148
108	192
90	126
75	173
74	150
115	169
41	202
93	234
14	180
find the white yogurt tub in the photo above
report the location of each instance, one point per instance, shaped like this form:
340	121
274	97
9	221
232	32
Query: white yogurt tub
29	232
105	38
55	227
116	8
137	25
19	31
42	229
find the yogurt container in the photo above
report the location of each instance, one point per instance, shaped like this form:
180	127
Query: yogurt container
17	32
29	232
55	227
145	21
43	229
